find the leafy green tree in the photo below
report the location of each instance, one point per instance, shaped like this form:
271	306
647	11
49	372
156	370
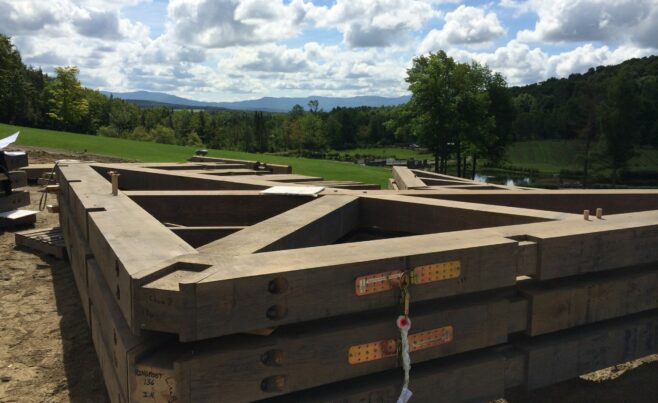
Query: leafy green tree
313	105
312	129
163	134
526	112
12	83
332	132
260	133
124	116
433	102
108	131
193	139
584	119
502	109
98	113
620	124
296	112
140	134
67	102
450	105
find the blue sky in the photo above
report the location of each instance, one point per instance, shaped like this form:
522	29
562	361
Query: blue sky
223	50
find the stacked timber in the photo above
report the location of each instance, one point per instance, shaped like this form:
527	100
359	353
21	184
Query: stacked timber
290	298
13	196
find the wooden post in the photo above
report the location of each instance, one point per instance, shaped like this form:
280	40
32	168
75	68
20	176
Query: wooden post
115	182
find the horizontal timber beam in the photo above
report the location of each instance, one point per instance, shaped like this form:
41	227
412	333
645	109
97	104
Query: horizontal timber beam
321	221
124	238
406	179
136	178
487	258
214	208
423	215
199	236
567	201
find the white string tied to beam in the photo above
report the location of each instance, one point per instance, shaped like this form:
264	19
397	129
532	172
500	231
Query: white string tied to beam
404	324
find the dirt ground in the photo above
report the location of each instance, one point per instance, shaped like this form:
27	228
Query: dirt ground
46	354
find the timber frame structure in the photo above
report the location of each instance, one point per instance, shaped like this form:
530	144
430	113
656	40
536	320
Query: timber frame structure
197	287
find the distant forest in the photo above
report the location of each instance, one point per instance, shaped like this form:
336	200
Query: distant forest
612	108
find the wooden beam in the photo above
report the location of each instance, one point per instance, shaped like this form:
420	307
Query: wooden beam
571	302
345	185
417	215
137	178
289	284
568	201
14	160
476	377
406	179
18	179
274	168
285	178
199	236
186	166
124	347
214	208
36	171
308	355
224	172
568	354
114	226
436	176
484	375
14	201
318	222
572	247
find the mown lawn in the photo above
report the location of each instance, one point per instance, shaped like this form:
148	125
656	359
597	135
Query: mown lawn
154	152
552	156
546	156
386	152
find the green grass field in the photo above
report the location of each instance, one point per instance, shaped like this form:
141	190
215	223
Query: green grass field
552	156
386	152
545	156
154	152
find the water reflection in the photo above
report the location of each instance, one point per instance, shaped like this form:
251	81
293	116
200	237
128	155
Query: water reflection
507	180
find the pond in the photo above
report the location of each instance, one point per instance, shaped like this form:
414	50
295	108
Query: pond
504	179
516	179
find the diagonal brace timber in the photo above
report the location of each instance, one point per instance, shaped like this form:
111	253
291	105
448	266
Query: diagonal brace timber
319	222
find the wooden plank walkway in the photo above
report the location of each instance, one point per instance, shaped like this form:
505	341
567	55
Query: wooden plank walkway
46	240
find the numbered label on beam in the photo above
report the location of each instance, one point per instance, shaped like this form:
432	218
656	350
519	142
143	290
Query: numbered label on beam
385	281
389	348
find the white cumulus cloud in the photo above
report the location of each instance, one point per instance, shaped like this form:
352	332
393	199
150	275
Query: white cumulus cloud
464	26
522	64
619	21
376	23
225	23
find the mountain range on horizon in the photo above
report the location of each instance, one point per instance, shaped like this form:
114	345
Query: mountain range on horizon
265	104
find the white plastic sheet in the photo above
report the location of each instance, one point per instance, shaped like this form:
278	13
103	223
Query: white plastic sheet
8	140
293	190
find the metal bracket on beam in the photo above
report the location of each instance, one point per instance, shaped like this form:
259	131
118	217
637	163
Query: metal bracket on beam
389	348
381	282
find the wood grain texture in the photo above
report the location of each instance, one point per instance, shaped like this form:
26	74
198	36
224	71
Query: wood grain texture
14	201
318	222
309	355
571	302
406	179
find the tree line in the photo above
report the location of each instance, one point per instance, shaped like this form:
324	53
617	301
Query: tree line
461	112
